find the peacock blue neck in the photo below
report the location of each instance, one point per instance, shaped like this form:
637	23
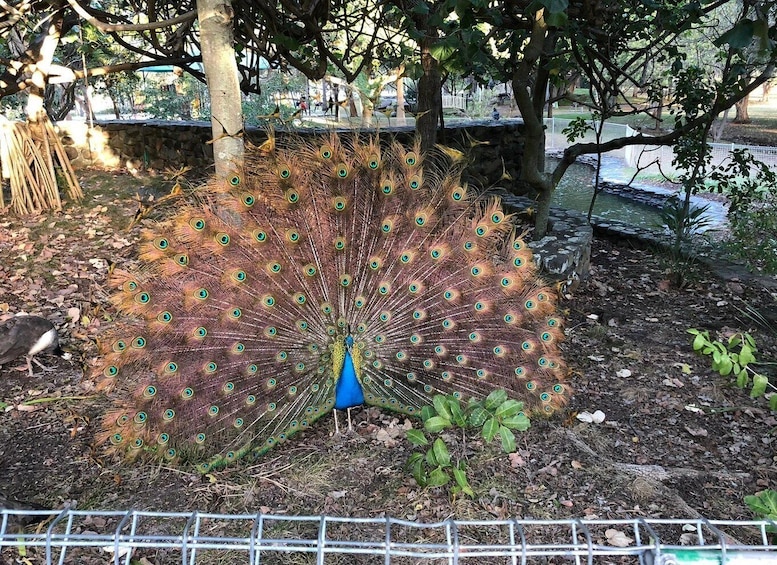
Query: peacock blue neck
348	391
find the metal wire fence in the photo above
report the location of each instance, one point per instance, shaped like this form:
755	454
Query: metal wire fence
88	536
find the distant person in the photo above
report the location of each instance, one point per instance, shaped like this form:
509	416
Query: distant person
495	114
303	105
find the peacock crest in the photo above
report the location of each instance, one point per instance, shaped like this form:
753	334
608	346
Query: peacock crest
323	275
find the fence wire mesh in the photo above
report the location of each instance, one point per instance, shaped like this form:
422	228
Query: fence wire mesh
87	536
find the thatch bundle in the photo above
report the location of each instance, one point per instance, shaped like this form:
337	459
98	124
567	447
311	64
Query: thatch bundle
27	154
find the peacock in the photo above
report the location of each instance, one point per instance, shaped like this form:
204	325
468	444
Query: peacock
324	274
28	336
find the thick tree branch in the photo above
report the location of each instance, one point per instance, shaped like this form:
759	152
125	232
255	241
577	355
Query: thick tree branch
572	152
113	28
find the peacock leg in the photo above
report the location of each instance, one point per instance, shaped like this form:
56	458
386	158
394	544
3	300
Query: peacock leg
337	425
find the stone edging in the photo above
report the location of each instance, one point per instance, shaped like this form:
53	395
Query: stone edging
565	253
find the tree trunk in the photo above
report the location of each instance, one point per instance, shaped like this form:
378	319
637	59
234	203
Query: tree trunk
401	94
218	57
429	95
530	99
742	116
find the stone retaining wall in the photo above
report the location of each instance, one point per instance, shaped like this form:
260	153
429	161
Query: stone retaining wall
492	150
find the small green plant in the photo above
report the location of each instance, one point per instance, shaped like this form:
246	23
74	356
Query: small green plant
736	358
496	415
764	505
675	219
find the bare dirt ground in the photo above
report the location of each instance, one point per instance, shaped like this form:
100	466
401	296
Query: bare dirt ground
678	439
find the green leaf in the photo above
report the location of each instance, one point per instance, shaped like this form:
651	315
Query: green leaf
742	379
739	36
438	478
555	6
490	429
441	453
441	406
426	413
746	355
421	8
457	415
436	424
773	402
417	437
699	341
759	386
558	20
508	439
416	463
478	416
431	460
508	408
461	479
518	422
764	503
495	399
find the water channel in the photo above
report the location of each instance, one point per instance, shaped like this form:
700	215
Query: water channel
575	191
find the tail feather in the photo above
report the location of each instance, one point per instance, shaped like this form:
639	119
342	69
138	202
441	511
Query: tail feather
240	302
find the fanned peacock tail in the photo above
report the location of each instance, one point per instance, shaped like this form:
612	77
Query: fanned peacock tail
247	307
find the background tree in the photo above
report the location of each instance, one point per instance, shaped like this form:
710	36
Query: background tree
618	47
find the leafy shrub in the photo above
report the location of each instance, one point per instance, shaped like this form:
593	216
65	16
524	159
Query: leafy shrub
736	358
754	238
496	415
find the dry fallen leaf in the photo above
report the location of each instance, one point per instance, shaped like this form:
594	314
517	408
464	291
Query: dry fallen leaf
516	460
617	538
673	382
697	432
